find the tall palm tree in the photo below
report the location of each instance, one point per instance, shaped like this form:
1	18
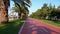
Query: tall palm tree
4	11
25	11
22	3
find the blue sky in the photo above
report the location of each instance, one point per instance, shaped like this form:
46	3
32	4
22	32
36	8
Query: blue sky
37	4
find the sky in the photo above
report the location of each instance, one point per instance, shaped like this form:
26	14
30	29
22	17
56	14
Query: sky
37	4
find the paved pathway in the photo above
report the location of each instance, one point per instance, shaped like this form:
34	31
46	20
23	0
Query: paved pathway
32	26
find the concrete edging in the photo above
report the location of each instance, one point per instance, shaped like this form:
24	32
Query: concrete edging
21	28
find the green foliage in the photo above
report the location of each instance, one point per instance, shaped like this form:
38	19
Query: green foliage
16	9
45	11
41	12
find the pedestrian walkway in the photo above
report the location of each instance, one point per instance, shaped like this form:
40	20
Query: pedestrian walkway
32	26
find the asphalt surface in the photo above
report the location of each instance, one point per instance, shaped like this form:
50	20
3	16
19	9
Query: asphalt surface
33	26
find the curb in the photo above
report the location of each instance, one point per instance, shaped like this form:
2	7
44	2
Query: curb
21	28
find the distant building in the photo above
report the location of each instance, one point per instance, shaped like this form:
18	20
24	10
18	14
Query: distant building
12	16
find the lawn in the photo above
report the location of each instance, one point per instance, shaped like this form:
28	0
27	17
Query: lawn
11	28
56	23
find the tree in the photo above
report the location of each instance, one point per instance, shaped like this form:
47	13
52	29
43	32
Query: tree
22	3
41	13
58	12
50	8
4	11
25	11
44	10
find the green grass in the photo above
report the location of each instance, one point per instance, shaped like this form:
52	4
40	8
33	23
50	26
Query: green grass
11	28
56	23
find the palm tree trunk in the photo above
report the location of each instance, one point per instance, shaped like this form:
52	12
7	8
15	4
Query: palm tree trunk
6	8
3	12
19	14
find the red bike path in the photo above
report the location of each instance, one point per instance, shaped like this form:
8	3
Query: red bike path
33	26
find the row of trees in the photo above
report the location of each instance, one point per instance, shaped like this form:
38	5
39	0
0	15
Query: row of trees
4	4
47	12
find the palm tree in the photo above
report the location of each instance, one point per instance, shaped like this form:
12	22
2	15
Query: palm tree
25	11
22	4
4	11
